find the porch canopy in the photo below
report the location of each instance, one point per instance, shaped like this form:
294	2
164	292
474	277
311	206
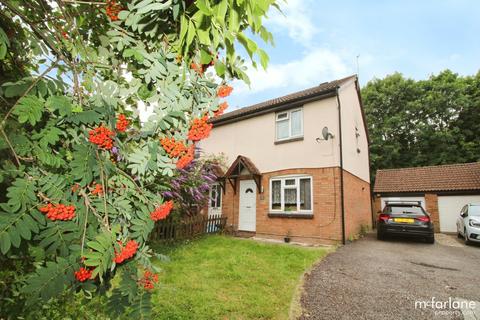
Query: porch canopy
243	167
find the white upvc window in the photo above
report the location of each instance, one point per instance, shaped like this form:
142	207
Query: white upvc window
289	124
291	194
216	196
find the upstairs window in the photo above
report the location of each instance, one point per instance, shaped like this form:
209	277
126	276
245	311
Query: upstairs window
289	124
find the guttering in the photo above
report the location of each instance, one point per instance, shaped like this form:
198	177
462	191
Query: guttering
342	197
276	107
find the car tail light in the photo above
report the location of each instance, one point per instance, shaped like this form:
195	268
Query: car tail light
424	219
383	217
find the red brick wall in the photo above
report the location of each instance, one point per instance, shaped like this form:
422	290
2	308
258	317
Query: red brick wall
431	204
325	227
377	206
358	205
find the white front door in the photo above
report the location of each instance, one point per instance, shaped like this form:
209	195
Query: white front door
248	206
449	208
215	201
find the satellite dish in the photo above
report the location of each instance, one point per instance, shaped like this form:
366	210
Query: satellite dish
326	134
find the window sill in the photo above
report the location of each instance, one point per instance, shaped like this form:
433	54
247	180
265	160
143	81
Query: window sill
290	215
289	140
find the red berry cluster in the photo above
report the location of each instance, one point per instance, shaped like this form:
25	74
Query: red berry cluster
162	211
200	129
122	123
172	147
83	274
112	9
224	91
126	252
186	158
102	137
98	190
58	211
148	280
199	68
221	108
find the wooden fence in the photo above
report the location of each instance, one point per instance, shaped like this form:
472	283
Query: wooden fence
169	229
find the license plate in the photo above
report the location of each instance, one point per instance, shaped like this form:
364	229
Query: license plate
404	220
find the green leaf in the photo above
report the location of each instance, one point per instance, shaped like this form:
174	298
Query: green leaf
205	57
85	117
220	68
191	33
21	194
84	165
4	242
29	109
50	281
62	104
183	27
204	6
264	59
103	255
48	136
221	11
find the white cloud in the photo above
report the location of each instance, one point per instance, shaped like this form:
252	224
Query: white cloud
317	66
296	19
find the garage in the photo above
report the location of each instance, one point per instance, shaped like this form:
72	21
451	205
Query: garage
442	190
449	209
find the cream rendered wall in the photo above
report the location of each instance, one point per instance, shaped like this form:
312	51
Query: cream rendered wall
354	162
255	137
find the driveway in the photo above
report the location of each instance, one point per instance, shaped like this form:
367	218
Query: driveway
371	279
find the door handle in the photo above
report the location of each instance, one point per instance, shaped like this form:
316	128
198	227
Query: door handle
247	206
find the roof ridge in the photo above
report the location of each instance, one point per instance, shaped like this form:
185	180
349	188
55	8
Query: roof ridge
431	166
297	95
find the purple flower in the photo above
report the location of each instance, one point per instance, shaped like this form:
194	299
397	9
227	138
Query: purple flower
114	150
168	194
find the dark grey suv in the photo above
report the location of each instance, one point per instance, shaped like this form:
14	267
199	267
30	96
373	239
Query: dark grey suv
405	219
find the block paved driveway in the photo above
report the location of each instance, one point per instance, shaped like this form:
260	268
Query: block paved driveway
371	279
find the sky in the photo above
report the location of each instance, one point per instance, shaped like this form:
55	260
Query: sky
318	41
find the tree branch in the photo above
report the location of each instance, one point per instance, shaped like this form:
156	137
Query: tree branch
11	147
27	91
38	33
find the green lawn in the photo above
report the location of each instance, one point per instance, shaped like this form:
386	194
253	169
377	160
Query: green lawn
220	277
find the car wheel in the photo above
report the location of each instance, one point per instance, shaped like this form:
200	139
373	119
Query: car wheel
459	235
465	236
380	236
430	239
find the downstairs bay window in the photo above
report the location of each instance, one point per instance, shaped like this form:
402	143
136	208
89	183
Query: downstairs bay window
291	194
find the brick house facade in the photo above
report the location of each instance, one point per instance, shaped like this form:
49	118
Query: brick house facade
313	187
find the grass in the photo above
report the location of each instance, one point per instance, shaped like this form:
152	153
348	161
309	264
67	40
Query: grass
219	277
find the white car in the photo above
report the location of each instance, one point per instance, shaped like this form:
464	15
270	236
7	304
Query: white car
468	223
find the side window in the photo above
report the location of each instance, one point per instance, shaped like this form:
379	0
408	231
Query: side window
216	196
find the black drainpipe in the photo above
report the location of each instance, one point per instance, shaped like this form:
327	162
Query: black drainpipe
342	199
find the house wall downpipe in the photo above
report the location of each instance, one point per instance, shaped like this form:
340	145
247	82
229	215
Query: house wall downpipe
342	198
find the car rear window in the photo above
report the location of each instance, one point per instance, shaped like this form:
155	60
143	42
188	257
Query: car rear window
404	210
474	210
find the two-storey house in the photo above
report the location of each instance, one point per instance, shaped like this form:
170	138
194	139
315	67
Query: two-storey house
298	165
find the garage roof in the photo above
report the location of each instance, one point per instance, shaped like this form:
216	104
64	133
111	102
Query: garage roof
451	177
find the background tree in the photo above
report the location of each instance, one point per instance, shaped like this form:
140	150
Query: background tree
82	176
418	123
